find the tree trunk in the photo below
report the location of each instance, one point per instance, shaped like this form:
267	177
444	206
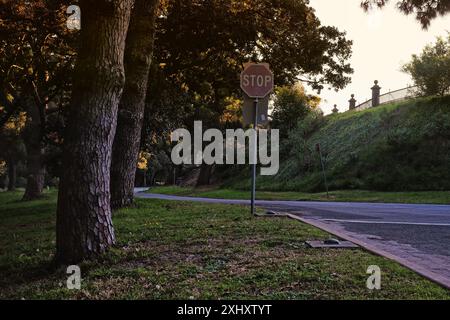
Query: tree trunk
204	176
35	173
152	179
138	57
12	174
33	134
84	225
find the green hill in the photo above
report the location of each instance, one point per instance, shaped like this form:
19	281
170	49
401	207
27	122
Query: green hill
397	147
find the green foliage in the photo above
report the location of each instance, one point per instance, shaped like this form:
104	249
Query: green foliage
221	35
202	45
160	166
425	10
291	105
431	70
398	147
37	54
394	147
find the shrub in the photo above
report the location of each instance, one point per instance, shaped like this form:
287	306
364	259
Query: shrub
431	70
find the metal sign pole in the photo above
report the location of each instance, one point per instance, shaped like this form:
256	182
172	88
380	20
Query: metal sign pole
255	158
256	82
319	149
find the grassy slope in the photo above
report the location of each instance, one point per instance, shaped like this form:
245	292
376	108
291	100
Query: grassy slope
398	147
183	250
428	197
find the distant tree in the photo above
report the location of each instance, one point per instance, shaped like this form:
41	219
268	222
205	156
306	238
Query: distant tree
291	105
12	150
202	45
425	10
36	57
431	69
167	108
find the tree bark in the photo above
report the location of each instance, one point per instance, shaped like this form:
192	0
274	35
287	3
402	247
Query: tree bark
35	173
35	153
204	176
84	225
12	174
138	57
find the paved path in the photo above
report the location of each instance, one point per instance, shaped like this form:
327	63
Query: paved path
417	236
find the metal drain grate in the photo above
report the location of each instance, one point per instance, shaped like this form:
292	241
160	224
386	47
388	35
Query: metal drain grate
331	243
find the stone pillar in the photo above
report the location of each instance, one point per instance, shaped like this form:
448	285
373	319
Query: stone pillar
352	103
376	94
335	109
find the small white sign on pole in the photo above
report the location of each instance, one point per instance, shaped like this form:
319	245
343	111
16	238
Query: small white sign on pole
248	111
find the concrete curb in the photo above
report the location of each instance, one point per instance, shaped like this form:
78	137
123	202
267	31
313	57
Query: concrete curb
408	264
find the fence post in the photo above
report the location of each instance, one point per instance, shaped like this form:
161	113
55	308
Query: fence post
376	94
335	109
352	103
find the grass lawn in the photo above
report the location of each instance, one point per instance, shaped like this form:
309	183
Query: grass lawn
428	197
173	250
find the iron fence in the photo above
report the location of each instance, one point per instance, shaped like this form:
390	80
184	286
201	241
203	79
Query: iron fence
391	96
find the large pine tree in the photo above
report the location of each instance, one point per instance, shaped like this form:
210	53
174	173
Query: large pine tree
138	57
84	225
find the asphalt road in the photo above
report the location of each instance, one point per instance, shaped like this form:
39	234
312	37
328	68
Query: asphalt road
416	235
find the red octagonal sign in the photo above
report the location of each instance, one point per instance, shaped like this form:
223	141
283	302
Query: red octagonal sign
257	80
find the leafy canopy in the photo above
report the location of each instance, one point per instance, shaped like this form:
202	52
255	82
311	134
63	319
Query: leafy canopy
425	10
292	105
203	44
431	69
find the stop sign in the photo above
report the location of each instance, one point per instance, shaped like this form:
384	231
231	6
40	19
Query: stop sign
257	80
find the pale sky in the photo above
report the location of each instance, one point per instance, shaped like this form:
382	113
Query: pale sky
383	41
